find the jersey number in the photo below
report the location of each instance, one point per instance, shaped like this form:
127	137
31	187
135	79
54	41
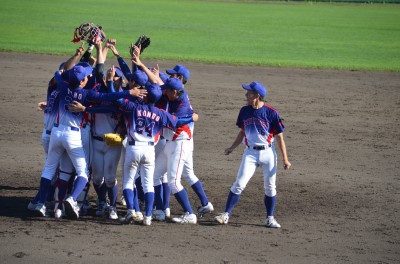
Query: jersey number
143	128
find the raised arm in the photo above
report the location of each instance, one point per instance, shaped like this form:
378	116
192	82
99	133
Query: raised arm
75	58
136	60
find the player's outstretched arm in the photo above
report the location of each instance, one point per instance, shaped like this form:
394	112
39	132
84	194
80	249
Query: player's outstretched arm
238	140
136	61
282	146
75	58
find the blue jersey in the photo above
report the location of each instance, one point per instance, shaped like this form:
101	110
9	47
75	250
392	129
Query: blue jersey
260	125
180	108
67	95
144	122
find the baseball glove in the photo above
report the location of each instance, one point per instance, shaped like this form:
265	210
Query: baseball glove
113	139
88	32
143	41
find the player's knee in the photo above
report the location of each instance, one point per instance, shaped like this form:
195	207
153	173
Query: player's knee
174	187
110	182
65	176
97	181
237	189
270	191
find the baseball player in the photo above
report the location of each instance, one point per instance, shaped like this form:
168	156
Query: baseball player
49	107
176	148
66	136
67	175
137	79
183	74
259	125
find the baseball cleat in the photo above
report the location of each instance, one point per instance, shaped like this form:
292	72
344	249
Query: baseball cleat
159	215
205	209
147	220
32	206
40	209
167	213
138	217
58	213
222	218
86	205
101	208
128	218
272	223
113	213
71	208
186	219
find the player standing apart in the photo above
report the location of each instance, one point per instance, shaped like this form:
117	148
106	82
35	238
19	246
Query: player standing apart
260	124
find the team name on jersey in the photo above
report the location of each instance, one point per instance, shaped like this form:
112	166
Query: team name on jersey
54	93
255	121
75	95
148	114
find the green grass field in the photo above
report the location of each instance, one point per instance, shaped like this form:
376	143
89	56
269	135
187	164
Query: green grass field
309	35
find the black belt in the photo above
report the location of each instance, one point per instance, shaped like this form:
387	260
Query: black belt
177	140
72	128
260	147
48	132
98	138
133	143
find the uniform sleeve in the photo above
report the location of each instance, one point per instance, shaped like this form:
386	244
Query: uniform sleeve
99	69
126	105
239	121
101	109
124	67
169	121
59	80
93	96
277	126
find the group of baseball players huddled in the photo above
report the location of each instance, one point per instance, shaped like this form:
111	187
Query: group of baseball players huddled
152	113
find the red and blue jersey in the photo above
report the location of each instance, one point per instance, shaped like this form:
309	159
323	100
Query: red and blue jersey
181	107
260	125
144	122
68	94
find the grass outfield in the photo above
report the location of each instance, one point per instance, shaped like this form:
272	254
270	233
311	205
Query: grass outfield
309	35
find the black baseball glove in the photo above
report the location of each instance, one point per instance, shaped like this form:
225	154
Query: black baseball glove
143	41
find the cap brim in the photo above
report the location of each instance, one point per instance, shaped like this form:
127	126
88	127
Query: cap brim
171	72
118	72
247	87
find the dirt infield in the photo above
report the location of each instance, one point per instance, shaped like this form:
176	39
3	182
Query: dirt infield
339	203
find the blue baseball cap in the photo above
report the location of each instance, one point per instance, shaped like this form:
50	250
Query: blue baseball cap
154	92
181	70
139	77
172	83
118	72
78	73
163	76
256	87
